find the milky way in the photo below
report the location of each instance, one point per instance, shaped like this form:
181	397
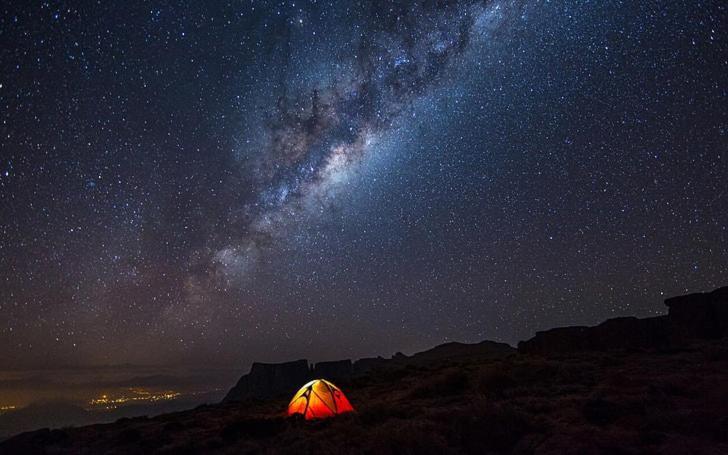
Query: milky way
313	138
211	183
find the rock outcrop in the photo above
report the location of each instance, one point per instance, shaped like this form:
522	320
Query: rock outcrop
266	380
337	370
613	334
694	316
701	315
367	364
454	351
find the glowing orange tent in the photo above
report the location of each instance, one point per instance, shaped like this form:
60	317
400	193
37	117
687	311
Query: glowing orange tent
319	399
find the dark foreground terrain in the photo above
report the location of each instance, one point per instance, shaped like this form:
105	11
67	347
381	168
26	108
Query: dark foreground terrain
671	397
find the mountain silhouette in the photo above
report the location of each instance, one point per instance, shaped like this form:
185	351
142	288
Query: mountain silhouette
628	385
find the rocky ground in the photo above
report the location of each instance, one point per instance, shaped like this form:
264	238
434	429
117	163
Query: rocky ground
657	385
660	401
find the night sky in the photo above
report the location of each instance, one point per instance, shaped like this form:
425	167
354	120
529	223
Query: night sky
212	183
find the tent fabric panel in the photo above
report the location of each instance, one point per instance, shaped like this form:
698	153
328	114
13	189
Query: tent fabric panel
319	399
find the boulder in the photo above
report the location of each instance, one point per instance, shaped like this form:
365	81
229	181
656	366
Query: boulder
267	380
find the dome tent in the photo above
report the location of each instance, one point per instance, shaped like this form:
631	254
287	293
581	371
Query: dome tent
319	399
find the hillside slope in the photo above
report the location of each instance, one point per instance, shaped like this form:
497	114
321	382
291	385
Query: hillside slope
659	402
565	391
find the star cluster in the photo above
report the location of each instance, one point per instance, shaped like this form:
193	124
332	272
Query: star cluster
214	182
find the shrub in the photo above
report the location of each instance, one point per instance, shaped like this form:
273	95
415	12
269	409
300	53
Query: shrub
407	437
453	382
253	429
484	427
129	436
601	411
382	412
495	382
